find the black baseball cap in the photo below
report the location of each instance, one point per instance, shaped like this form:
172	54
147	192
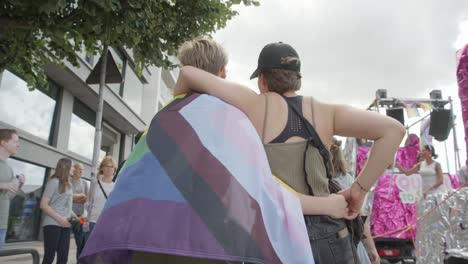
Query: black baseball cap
271	55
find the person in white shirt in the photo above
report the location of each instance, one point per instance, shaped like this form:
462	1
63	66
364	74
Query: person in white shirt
56	203
103	189
429	169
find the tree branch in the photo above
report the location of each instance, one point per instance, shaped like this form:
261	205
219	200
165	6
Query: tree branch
8	22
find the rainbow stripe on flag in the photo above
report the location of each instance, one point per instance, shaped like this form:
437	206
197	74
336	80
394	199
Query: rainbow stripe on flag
198	185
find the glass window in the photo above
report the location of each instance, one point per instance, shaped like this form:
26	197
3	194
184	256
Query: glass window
133	90
89	59
81	140
25	215
31	111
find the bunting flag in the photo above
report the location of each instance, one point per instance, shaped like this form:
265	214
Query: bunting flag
198	186
411	107
425	138
411	110
426	106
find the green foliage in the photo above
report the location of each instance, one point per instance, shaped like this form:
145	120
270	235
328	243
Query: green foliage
34	33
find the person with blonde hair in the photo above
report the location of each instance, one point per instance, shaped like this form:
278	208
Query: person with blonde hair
56	203
204	53
297	133
105	185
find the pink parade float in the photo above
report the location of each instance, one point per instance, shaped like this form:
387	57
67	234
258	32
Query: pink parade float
462	76
398	207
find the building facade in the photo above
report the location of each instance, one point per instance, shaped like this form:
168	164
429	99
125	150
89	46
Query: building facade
59	122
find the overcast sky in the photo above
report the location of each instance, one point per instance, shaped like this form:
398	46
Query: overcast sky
351	48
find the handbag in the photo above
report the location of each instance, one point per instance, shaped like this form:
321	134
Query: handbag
355	226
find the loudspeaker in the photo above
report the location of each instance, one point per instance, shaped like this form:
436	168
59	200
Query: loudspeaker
440	124
396	113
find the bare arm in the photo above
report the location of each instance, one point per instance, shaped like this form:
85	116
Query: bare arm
386	133
203	82
373	254
333	205
50	212
9	187
410	171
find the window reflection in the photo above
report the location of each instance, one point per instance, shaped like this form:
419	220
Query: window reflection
81	140
24	217
31	111
133	90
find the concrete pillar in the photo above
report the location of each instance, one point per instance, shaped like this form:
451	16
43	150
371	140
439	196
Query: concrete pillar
63	120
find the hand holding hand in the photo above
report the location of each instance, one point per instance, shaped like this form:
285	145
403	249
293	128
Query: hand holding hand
354	195
337	206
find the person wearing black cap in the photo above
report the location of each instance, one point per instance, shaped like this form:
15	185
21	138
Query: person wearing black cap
297	132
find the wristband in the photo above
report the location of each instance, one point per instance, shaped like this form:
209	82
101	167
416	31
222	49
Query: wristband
360	186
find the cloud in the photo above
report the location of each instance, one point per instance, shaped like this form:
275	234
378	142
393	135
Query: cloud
351	48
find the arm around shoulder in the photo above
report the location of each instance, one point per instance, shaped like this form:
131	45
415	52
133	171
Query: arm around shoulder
203	82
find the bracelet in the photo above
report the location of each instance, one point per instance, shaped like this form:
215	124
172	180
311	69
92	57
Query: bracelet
360	186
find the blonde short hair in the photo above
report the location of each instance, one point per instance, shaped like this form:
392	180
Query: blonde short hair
105	161
203	53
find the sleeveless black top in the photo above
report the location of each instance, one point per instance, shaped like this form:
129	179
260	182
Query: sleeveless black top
294	127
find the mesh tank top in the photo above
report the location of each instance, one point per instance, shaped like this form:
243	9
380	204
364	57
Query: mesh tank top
287	162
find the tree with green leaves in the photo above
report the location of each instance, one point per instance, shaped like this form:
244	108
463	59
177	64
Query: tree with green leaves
34	33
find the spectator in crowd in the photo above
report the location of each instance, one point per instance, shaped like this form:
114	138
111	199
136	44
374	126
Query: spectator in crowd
9	186
80	194
429	169
105	185
57	203
345	180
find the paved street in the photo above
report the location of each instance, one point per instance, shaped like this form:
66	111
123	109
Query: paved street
38	245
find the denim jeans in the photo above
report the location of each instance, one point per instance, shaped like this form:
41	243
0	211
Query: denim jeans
3	232
78	234
330	240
